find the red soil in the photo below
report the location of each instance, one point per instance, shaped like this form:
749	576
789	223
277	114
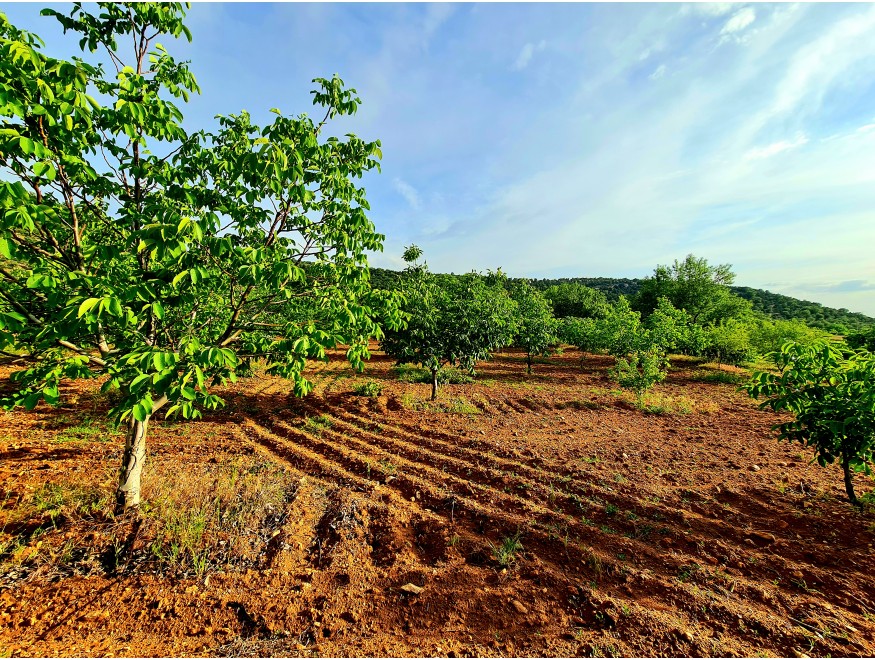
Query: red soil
642	534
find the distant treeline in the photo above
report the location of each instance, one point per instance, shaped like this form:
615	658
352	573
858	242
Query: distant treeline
773	305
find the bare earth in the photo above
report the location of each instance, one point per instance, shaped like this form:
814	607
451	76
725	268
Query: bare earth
680	534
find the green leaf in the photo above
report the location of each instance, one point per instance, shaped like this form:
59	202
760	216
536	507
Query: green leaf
27	145
86	306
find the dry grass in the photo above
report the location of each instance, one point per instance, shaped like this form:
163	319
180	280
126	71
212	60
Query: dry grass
208	515
214	514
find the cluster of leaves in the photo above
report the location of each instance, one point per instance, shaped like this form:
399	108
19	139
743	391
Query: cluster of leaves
831	392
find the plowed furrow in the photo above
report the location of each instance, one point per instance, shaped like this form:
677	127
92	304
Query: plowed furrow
524	474
532	478
409	462
319	458
542	524
459	461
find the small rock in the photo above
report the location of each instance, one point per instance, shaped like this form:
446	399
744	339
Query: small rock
411	588
798	575
519	607
755	468
764	537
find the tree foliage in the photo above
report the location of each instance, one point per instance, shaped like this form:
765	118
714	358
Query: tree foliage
449	320
536	327
695	287
831	392
577	300
160	260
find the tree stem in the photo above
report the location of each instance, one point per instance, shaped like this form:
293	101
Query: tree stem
849	482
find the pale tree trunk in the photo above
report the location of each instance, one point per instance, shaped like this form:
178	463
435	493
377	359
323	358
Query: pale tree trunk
127	496
434	384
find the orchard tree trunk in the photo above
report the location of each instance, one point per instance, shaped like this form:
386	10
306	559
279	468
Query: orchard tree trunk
528	363
127	496
849	482
434	375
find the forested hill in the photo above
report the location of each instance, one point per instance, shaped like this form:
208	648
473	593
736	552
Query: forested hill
774	305
814	314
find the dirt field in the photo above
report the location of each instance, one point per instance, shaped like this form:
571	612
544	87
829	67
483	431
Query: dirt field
533	516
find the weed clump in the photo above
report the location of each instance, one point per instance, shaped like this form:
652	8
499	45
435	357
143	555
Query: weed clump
506	552
370	389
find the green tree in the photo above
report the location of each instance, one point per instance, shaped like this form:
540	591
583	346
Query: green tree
831	392
728	342
449	320
863	339
536	327
620	330
767	336
694	286
577	300
158	260
674	331
584	334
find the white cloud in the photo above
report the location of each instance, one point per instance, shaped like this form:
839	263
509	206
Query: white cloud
658	73
526	54
739	21
408	192
710	9
776	148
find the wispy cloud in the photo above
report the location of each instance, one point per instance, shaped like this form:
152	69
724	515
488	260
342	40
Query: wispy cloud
526	53
739	21
776	148
711	9
408	192
658	73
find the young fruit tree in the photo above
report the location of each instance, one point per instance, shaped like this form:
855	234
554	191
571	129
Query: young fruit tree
157	260
535	327
831	393
449	320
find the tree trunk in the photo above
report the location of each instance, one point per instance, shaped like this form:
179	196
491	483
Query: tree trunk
849	482
528	363
127	495
434	375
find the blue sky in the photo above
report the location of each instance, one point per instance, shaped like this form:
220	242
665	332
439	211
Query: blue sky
582	140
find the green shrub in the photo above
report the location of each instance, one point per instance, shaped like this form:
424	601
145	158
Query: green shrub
728	342
370	388
640	371
768	336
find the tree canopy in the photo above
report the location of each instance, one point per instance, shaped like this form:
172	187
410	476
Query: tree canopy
449	320
695	287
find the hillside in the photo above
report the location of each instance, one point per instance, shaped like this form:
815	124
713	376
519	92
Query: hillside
774	305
